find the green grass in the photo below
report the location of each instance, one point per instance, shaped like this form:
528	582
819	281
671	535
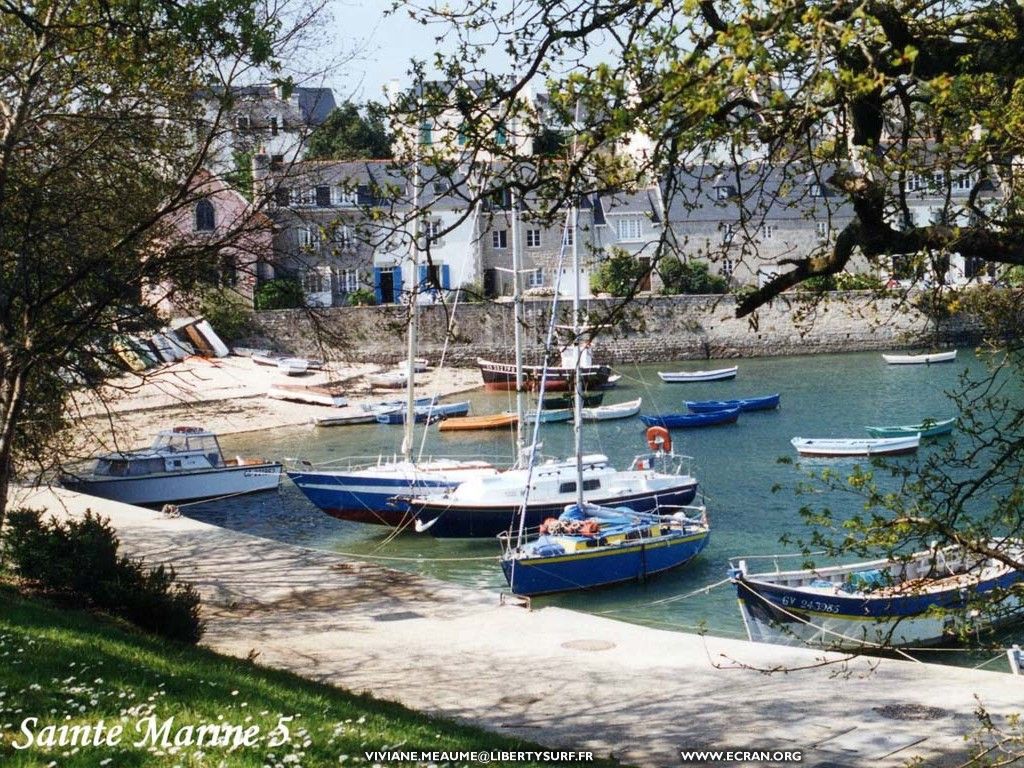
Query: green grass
68	667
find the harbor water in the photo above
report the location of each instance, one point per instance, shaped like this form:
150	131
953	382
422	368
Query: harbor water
737	466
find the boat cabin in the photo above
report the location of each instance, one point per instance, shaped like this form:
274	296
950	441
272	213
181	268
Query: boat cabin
175	450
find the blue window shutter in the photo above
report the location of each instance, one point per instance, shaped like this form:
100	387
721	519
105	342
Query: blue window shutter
445	277
423	277
378	297
397	272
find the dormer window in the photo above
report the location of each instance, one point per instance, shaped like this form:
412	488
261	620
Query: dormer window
205	216
272	123
243	123
816	190
724	191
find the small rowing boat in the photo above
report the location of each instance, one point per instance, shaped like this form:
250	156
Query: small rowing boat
315	395
469	423
927	428
692	420
928	359
614	411
684	377
745	404
839	448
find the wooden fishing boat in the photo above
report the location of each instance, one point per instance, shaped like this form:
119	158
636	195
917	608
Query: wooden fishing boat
293	366
692	420
468	423
839	448
596	546
926	359
389	380
315	395
615	411
927	428
745	404
918	600
548	416
683	377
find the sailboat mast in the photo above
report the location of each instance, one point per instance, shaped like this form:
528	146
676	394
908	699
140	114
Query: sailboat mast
577	379
517	322
410	402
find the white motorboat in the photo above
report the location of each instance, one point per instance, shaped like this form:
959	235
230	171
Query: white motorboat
183	464
681	377
928	359
838	448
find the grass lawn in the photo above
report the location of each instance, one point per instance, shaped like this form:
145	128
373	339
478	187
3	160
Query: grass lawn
68	667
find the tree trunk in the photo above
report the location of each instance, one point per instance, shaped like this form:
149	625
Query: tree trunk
11	394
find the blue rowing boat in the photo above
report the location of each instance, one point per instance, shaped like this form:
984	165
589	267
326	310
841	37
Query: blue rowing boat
423	413
692	420
763	403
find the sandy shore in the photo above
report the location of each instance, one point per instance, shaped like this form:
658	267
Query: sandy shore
227	395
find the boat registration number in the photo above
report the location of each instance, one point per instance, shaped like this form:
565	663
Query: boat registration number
804	604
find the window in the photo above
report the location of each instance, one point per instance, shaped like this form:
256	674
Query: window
816	190
533	238
342	236
433	230
535	278
727	234
442	187
724	192
312	281
282	196
629	228
323	197
348	280
243	123
277	159
272	123
963	182
460	137
500	137
567	236
499	238
768	230
309	238
305	196
205	216
728	267
426	134
822	227
346	196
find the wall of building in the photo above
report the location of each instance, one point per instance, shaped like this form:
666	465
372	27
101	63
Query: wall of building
656	329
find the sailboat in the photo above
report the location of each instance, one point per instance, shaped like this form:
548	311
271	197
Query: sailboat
486	506
590	545
378	492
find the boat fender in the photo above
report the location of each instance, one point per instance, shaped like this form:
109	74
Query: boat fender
659	439
548	525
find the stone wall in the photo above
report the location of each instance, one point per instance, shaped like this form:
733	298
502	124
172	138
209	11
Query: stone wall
655	329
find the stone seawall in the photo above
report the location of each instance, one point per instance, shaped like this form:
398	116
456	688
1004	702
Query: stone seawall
649	330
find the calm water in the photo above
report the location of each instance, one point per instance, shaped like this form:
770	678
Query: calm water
737	466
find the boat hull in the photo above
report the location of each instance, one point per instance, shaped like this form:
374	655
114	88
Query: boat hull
602	567
777	614
501	377
938	357
480	521
473	423
684	377
746	404
185	486
838	449
937	429
692	420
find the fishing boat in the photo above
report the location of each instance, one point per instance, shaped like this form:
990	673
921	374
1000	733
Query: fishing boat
927	428
692	420
324	394
425	413
616	411
684	377
345	416
745	404
849	447
918	600
592	546
561	402
182	464
472	423
502	376
926	359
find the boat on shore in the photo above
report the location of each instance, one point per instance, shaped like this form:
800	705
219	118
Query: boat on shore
389	380
924	359
182	464
596	546
927	428
684	377
624	410
850	447
323	394
346	416
424	413
922	599
692	420
745	404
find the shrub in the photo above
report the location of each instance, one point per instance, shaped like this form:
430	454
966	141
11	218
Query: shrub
618	275
79	560
691	276
227	312
361	297
279	293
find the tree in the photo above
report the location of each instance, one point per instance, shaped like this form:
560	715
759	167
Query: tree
347	134
689	277
618	275
102	144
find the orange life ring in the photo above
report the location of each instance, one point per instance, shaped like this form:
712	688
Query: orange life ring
659	439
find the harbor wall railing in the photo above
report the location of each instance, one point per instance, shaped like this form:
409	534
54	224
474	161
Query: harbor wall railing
648	329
